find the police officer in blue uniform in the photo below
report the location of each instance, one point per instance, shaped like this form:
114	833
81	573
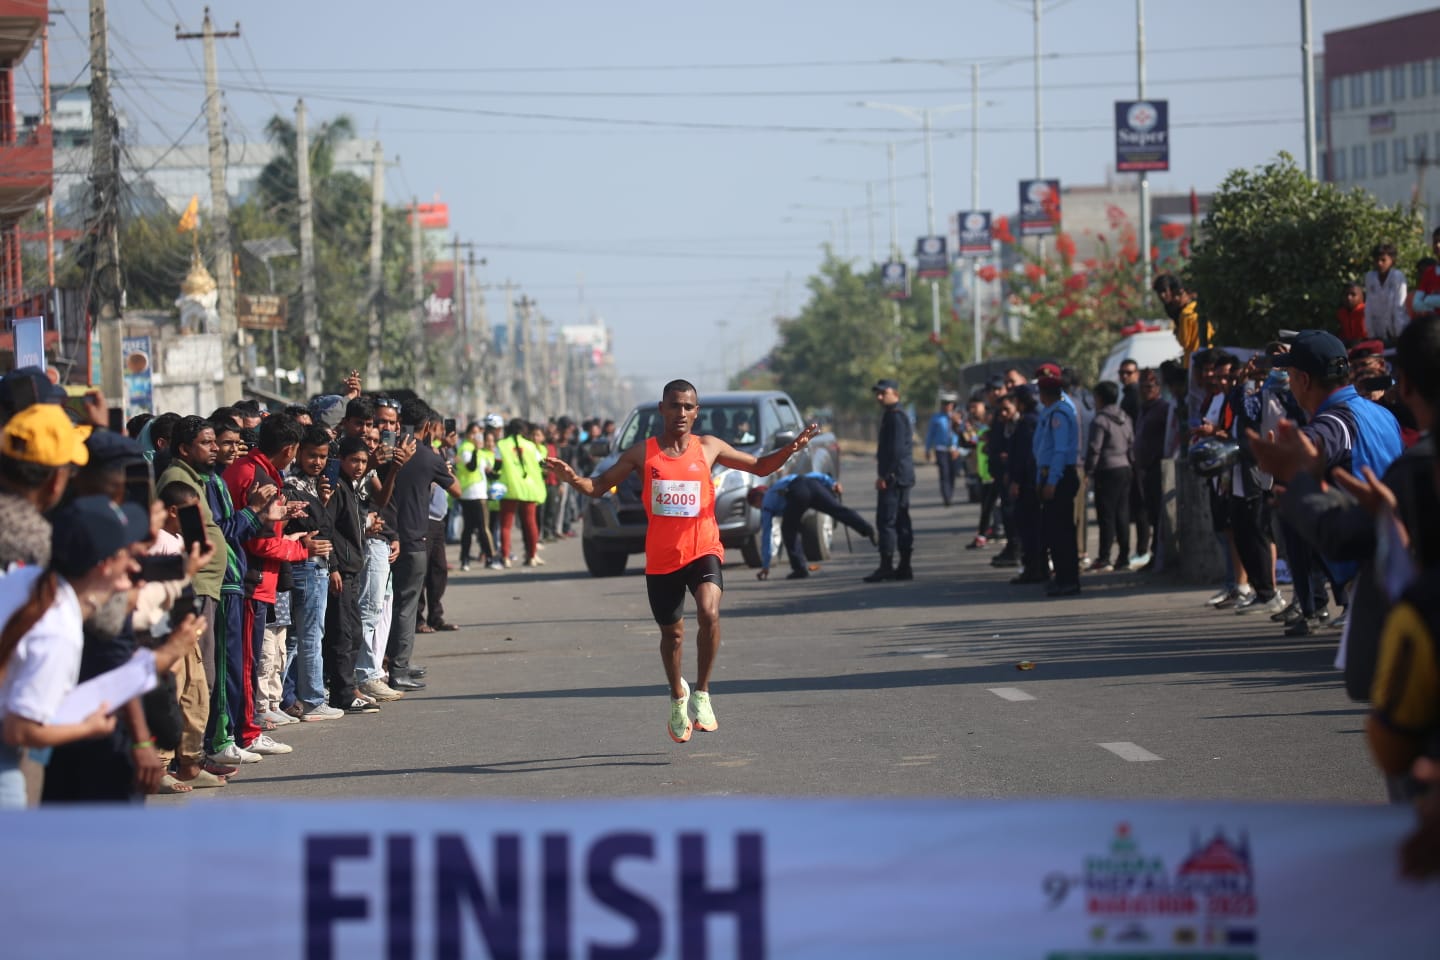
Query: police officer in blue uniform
1057	443
895	475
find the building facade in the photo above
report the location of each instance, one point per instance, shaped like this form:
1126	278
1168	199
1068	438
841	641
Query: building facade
1381	128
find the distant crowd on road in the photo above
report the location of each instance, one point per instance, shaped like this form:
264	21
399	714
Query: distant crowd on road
270	568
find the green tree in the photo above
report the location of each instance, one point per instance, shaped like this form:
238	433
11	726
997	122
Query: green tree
845	337
1277	248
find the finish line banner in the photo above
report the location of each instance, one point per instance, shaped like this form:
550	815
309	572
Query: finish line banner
829	879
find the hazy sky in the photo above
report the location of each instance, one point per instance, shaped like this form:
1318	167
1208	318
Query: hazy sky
656	149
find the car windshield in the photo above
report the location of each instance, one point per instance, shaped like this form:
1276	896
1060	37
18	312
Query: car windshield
736	424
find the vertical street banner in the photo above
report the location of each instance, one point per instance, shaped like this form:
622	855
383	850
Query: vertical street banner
1142	135
931	260
1039	208
441	305
895	280
975	234
29	342
138	370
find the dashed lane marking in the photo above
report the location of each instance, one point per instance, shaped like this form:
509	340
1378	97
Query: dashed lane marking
1133	752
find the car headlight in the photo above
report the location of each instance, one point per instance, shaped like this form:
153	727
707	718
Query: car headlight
727	480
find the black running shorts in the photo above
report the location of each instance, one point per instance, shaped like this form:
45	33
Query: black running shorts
667	590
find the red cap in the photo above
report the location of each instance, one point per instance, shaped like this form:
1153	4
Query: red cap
1051	383
1367	348
1047	370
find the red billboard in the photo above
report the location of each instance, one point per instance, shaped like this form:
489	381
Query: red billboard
440	305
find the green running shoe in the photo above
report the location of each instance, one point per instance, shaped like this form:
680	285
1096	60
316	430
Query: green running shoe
679	726
704	714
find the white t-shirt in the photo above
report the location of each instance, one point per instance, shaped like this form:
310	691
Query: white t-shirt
46	664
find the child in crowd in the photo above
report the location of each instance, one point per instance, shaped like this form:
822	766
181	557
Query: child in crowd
348	523
1385	295
1352	314
1426	298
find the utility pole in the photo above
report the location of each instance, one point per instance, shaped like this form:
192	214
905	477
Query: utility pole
512	350
109	295
372	295
523	343
220	210
1149	267
417	288
1307	73
1039	120
314	358
975	320
476	366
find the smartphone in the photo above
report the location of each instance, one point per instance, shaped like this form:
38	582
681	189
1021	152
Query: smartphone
387	438
407	433
192	526
449	426
22	393
165	566
139	484
117	420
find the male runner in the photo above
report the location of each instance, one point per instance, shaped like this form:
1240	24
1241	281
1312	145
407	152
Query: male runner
682	542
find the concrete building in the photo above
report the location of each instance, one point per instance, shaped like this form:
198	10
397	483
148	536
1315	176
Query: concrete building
1381	108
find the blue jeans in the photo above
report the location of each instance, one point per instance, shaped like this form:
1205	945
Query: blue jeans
302	648
374	586
12	781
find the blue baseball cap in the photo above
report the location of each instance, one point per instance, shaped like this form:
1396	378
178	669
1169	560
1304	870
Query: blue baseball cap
88	530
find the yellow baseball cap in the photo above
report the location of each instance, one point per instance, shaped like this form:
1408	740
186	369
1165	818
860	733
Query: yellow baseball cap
43	434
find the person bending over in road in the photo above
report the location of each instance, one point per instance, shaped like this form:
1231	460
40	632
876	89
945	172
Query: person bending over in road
682	541
790	497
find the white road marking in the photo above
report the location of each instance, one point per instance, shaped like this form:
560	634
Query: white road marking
1126	750
1013	694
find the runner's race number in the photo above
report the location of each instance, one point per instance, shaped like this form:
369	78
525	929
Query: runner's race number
675	498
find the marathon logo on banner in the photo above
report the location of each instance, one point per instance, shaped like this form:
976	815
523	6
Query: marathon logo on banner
736	878
895	279
975	237
1039	207
931	260
1142	135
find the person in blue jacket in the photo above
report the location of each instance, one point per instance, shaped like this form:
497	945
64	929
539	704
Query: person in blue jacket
1057	444
790	497
943	443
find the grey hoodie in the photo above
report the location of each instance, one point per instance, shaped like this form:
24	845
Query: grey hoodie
1111	436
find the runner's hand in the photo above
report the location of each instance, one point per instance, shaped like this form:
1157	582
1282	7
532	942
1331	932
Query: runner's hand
803	441
566	473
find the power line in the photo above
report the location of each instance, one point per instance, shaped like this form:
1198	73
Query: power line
776	65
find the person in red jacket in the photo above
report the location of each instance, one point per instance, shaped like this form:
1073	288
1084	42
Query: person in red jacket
279	441
1352	314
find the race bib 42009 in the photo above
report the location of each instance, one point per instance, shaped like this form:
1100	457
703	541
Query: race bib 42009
675	498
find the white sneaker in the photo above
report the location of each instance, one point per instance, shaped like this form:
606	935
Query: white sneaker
534	562
1224	595
234	755
279	717
378	690
1274	605
267	747
322	712
1244	596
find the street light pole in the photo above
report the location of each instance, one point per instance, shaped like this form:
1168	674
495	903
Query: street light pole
975	320
1149	267
894	223
1307	73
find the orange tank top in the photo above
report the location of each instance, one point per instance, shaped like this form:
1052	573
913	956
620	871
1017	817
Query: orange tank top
680	503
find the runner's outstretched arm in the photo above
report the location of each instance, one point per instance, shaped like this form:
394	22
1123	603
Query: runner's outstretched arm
728	456
631	460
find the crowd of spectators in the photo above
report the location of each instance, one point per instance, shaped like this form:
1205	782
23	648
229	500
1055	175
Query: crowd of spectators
276	567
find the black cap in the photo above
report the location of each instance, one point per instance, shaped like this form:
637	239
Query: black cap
1316	352
886	384
44	390
111	449
88	530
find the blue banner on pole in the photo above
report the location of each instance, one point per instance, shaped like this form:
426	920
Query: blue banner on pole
931	260
138	386
29	342
1142	135
1039	207
895	280
975	236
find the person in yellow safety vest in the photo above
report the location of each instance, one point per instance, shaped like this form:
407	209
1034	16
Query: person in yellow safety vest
524	479
473	463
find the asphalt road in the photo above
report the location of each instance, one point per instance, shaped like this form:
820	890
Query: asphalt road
830	686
